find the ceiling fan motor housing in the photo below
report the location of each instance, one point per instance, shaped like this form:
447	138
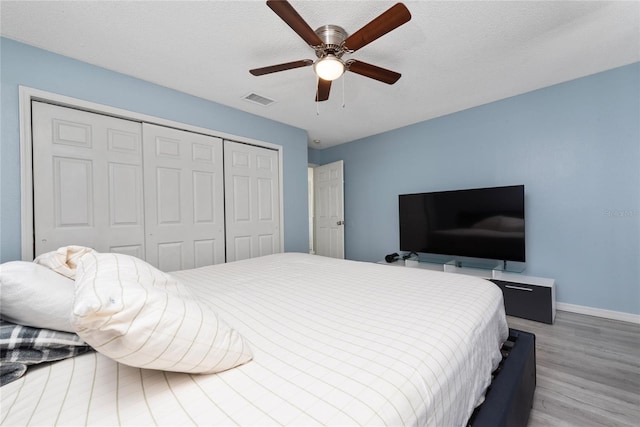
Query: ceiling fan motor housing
332	36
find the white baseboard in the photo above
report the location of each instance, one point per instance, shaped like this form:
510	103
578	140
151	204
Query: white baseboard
599	312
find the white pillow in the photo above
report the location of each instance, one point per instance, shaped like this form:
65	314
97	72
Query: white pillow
32	295
64	260
137	315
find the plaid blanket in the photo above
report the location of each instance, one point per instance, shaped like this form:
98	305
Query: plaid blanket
21	346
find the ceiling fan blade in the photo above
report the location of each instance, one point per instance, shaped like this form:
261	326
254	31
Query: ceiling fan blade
288	14
324	86
281	67
374	72
395	16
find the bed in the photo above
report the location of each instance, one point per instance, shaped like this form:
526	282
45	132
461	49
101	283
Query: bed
329	342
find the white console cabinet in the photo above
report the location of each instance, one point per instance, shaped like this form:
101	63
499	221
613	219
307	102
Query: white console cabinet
528	297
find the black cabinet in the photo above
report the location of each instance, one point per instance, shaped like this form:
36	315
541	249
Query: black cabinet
528	301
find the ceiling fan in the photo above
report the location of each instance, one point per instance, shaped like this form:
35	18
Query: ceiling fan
331	43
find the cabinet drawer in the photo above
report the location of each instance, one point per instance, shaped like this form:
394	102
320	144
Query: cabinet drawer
527	301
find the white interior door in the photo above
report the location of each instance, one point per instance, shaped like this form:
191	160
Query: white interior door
184	201
87	181
252	201
328	183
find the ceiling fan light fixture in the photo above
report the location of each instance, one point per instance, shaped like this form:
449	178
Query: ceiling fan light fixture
329	67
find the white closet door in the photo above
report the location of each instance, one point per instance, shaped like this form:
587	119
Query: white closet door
87	175
184	198
252	201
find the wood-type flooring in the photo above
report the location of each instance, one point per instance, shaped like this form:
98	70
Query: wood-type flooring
588	371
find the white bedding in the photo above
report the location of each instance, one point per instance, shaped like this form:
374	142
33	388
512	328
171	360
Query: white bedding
334	343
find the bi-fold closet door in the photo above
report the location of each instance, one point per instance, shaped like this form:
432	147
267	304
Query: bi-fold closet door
150	191
252	201
184	198
87	181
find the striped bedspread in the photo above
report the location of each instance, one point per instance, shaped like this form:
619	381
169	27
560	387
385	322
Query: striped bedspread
335	343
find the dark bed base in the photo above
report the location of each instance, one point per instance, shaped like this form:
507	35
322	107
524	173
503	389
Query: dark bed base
509	398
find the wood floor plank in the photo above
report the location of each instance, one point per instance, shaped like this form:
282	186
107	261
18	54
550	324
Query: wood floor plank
588	371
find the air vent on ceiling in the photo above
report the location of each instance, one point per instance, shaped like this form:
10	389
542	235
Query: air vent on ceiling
257	99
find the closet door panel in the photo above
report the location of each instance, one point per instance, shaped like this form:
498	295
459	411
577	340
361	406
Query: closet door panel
73	192
205	252
242	248
184	185
168	188
87	175
241	195
125	193
252	201
265	200
266	244
172	256
205	198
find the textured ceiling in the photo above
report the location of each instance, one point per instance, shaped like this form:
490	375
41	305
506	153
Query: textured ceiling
453	55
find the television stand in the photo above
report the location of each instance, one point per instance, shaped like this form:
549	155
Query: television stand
528	297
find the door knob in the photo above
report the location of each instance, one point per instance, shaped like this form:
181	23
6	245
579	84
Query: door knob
340	223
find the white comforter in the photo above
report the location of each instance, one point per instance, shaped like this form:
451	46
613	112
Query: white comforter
335	343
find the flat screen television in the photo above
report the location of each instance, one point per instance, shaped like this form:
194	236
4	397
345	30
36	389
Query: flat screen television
480	223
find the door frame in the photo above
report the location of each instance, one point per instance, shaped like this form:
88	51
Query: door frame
312	208
28	94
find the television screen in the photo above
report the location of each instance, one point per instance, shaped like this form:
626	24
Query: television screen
479	223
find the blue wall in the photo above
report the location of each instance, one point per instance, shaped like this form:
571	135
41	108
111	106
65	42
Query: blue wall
314	156
575	146
28	66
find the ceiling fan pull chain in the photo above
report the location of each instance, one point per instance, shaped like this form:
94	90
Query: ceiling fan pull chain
317	102
344	77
